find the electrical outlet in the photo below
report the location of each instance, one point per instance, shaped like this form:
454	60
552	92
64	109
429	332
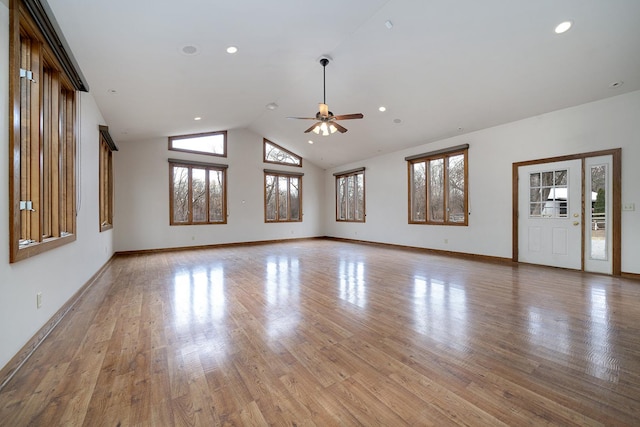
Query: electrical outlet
39	300
629	207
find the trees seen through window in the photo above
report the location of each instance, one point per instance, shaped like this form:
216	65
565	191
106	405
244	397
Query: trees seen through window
197	193
438	188
350	204
282	197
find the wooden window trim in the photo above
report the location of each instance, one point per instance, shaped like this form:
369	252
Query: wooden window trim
434	155
52	132
265	141
346	174
279	174
199	135
199	165
105	176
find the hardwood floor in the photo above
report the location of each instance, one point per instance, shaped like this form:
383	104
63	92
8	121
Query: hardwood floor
332	333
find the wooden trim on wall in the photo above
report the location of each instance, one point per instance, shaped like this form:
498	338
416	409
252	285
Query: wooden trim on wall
214	246
449	150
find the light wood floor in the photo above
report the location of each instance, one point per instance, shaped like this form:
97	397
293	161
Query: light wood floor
330	333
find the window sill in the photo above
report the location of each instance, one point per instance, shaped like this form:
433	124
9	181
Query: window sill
35	248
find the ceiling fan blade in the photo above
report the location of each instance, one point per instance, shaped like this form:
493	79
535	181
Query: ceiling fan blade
349	116
302	118
340	128
311	128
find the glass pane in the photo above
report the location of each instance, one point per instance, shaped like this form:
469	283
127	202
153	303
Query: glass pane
548	194
270	198
535	195
208	144
535	209
351	188
277	155
561	209
199	194
598	213
456	189
294	197
180	194
283	199
360	197
341	198
534	180
436	190
561	177
216	197
418	192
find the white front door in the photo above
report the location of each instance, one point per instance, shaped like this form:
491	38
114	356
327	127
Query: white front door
550	214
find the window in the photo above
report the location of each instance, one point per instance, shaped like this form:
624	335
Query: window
350	196
548	196
210	143
438	187
275	154
105	171
198	193
282	196
42	89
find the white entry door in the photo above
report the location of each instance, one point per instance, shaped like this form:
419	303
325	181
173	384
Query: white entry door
550	214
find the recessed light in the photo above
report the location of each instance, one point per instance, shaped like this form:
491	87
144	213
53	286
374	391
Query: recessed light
616	84
382	109
388	24
271	106
310	142
232	49
397	121
563	27
112	91
197	118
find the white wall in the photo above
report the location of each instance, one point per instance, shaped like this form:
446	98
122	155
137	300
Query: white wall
606	124
57	273
141	218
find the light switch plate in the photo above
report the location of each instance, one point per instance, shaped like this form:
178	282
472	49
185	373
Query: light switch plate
629	207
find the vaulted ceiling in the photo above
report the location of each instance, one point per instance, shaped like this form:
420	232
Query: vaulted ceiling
440	67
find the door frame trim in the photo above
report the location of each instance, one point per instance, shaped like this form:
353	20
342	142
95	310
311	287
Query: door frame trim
616	217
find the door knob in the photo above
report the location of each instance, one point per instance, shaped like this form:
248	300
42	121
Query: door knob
575	215
576	222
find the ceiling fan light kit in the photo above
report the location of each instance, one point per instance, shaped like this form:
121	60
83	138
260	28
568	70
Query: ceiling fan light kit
326	121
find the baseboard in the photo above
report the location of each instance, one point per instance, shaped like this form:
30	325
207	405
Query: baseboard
10	369
484	258
477	257
215	245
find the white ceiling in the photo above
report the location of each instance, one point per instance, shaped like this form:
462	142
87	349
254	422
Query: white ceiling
445	68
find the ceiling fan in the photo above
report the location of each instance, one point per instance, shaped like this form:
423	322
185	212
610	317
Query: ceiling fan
326	121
